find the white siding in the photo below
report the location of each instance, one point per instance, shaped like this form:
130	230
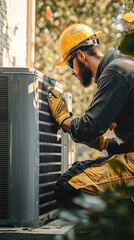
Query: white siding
13	32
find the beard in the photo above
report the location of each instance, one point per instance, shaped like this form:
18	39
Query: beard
86	74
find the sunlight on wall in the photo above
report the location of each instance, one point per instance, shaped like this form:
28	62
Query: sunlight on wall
13	32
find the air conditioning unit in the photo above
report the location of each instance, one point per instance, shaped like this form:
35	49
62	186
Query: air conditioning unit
33	150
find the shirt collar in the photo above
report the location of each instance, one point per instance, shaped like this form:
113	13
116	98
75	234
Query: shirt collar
104	62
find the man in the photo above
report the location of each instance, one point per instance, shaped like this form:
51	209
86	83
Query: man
112	105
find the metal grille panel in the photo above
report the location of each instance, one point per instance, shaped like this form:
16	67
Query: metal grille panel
49	153
4	148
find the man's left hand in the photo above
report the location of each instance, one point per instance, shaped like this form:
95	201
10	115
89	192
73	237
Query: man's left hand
58	107
100	143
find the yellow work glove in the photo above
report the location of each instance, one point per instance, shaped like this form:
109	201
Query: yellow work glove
58	107
100	143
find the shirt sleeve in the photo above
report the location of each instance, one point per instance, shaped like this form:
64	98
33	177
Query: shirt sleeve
114	147
112	93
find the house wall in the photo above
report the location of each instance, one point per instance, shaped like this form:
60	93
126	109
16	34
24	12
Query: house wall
14	29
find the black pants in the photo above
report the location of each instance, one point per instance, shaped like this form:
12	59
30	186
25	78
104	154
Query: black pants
64	192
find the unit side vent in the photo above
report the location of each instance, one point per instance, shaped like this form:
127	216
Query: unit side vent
49	153
4	147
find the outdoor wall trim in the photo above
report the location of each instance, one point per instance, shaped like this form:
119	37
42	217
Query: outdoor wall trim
30	33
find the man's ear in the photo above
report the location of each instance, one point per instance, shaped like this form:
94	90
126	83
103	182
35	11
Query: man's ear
81	56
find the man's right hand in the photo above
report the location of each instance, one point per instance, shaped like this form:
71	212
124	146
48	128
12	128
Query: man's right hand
58	107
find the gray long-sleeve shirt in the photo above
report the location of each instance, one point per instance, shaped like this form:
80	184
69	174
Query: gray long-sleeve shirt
113	101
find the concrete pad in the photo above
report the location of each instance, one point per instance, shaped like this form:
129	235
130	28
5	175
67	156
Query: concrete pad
55	230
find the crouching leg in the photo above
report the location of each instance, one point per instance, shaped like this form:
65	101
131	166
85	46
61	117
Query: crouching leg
64	191
94	177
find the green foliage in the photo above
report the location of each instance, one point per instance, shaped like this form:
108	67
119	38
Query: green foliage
114	221
106	216
53	16
126	44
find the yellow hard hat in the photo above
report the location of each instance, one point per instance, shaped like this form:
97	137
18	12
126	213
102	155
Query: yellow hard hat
71	37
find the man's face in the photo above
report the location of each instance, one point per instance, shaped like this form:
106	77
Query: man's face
84	73
80	70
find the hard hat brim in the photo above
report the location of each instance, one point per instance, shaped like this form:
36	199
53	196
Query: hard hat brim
60	62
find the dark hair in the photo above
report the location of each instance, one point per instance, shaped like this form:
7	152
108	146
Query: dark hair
90	50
